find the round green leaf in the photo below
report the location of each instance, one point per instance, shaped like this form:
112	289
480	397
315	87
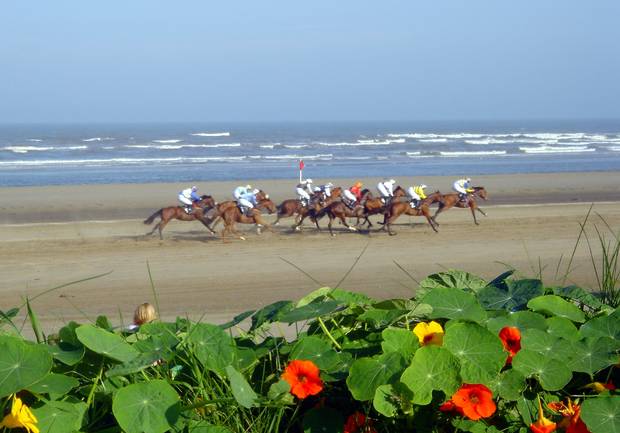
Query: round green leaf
606	326
21	364
367	374
547	344
105	343
452	279
480	353
213	347
311	311
454	304
562	327
556	306
317	350
146	407
510	295
401	341
521	319
60	416
389	399
551	374
56	384
433	368
66	353
509	385
323	420
241	389
593	354
602	414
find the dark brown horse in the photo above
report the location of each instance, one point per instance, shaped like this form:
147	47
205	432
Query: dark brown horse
166	214
374	205
397	209
232	215
293	206
337	209
453	200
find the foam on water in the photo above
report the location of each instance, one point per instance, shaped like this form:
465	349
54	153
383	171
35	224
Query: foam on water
180	146
552	149
211	134
26	149
473	153
167	141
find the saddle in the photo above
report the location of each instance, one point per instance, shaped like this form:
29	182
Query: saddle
245	210
348	203
414	203
464	198
188	210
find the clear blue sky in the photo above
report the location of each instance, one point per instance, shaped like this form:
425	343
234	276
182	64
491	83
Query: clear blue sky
139	60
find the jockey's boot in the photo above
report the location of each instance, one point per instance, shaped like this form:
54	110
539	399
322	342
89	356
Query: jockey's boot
188	210
414	203
248	212
463	198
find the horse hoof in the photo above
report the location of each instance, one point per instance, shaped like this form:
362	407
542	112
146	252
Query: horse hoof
392	233
353	229
242	238
297	229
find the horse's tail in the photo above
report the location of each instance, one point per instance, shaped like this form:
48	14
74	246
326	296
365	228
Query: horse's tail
150	219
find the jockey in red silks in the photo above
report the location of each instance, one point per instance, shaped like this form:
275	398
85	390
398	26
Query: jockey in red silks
354	193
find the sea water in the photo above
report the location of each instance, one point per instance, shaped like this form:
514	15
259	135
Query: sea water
32	155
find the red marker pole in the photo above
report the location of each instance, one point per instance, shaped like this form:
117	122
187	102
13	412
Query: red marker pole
301	169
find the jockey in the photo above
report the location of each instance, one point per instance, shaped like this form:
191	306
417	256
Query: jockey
326	189
304	189
386	189
463	187
188	196
416	193
241	190
247	201
354	193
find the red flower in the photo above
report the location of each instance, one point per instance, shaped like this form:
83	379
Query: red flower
571	413
542	425
303	376
474	401
358	423
511	339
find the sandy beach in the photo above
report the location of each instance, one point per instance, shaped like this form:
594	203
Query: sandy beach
56	235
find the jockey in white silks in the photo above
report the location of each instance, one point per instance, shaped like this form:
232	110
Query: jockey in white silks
247	201
463	187
325	189
386	189
416	193
304	189
241	190
188	196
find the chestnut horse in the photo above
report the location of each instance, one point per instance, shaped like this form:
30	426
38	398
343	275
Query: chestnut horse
396	209
453	200
233	214
293	206
338	209
374	205
221	207
166	214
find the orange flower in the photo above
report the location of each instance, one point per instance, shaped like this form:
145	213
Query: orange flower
429	333
542	425
600	387
358	423
474	401
571	413
303	376
20	417
511	339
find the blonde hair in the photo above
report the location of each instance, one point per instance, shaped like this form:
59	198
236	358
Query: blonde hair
144	313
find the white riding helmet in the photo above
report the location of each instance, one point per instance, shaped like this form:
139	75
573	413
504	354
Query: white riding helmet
468	179
329	184
423	186
255	191
392	181
309	180
248	187
194	188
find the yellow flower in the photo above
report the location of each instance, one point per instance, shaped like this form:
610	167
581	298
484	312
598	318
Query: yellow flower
429	333
20	416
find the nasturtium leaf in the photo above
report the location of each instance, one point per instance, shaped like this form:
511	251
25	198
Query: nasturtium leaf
241	389
155	345
380	318
527	406
105	343
139	363
451	279
512	295
214	348
367	374
454	304
66	353
311	311
270	313
555	306
350	298
593	354
602	414
246	357
205	427
547	344
433	368
163	333
551	374
562	327
401	341
509	385
237	319
323	420
392	398
521	319
578	294
146	407
67	334
320	293
54	384
21	364
280	392
480	353
317	350
60	416
606	326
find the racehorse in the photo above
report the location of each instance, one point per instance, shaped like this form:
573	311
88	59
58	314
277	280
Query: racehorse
374	205
166	214
396	209
453	200
293	206
261	196
338	209
233	214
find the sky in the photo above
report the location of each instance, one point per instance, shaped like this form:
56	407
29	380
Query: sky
321	60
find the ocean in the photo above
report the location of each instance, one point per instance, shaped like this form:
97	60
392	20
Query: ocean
36	155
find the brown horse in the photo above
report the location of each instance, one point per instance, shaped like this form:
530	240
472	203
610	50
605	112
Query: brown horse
293	206
233	214
221	207
166	214
396	209
453	200
374	205
337	209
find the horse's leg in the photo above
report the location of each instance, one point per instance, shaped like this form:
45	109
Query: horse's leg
344	222
154	228
329	225
234	231
161	226
439	210
427	214
480	210
472	207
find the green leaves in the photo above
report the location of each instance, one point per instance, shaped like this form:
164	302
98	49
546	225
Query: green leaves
602	414
454	304
21	364
105	343
510	295
367	374
433	368
551	374
213	347
146	407
60	416
452	279
241	389
556	306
